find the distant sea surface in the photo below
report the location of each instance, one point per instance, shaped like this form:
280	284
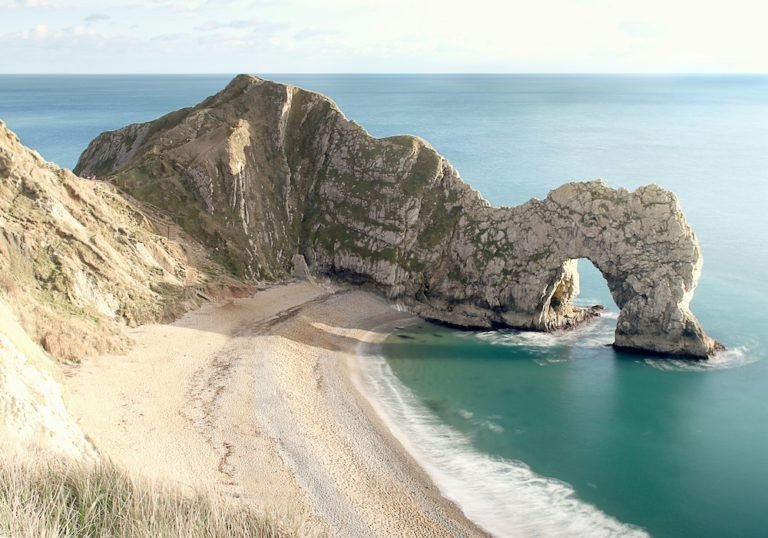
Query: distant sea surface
532	434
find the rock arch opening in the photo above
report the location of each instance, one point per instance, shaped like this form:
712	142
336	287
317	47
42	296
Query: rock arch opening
578	294
396	212
593	286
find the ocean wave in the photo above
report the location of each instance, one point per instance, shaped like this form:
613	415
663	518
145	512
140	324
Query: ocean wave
505	497
725	360
596	334
586	302
492	426
488	423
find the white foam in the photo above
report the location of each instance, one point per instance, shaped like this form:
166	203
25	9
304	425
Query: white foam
586	302
596	334
730	358
490	425
466	414
505	497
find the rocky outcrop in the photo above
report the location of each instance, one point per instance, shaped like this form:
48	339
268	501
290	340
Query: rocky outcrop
263	171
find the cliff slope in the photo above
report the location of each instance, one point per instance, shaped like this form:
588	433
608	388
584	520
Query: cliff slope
78	259
77	262
262	171
33	415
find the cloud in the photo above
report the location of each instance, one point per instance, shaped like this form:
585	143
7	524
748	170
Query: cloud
39	32
218	25
12	4
177	36
82	31
639	29
96	17
256	25
318	35
370	35
247	3
188	7
42	35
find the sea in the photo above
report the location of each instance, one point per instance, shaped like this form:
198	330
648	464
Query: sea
547	434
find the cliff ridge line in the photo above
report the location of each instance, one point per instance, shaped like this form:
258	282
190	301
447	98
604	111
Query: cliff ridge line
263	171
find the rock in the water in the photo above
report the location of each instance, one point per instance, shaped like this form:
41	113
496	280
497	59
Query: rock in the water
263	171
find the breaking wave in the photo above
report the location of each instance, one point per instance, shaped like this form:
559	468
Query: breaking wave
503	496
596	334
730	358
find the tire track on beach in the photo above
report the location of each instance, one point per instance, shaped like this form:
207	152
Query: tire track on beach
354	478
276	392
206	388
290	313
203	409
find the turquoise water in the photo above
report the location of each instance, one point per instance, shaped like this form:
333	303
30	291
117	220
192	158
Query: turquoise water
547	435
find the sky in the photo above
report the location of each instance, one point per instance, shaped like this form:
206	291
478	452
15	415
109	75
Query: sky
384	36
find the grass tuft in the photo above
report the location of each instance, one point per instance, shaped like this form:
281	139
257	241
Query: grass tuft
56	499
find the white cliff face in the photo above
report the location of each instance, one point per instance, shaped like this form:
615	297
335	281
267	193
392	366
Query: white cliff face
639	241
33	416
77	261
284	172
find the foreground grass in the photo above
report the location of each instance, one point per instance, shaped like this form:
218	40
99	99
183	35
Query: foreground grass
55	499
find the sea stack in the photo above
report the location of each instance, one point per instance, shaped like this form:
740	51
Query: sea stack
262	171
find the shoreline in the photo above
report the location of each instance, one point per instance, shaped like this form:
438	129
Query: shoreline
352	371
259	399
500	497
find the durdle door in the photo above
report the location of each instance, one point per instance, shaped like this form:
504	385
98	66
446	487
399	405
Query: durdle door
262	171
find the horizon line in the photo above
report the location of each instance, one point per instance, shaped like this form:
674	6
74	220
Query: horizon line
415	73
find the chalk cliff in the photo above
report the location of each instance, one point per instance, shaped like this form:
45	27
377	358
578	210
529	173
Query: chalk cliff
262	171
78	259
33	415
77	262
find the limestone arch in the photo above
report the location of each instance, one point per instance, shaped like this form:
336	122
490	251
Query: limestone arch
645	251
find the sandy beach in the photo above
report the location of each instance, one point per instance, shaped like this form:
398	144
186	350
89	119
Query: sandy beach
258	399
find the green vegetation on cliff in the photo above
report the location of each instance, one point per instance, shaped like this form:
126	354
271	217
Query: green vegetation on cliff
262	171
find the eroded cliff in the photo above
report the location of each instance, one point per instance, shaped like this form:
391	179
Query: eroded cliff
78	259
262	171
77	262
